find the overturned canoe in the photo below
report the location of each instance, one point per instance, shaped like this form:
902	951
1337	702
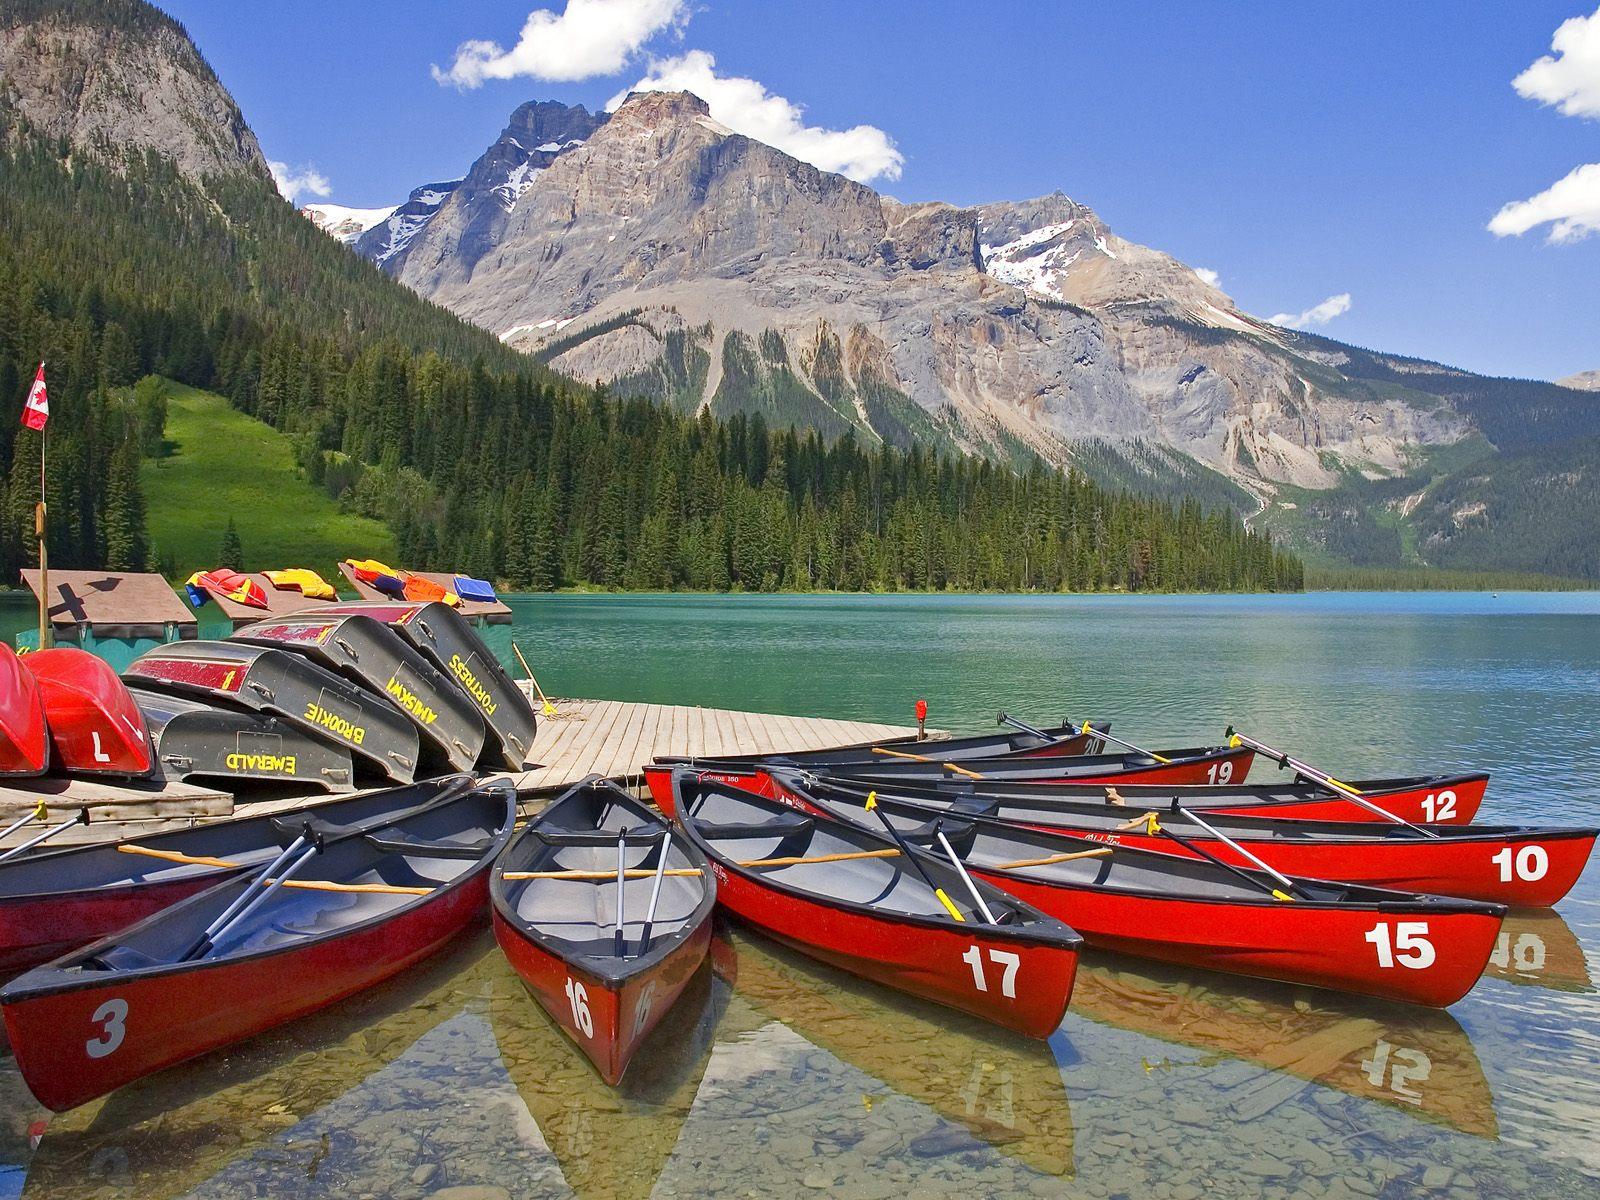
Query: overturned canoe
192	739
24	737
1522	866
1396	945
372	654
605	949
290	686
850	897
54	902
95	727
357	904
448	639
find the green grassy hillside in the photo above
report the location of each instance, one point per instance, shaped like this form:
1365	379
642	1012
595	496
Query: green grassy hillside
220	464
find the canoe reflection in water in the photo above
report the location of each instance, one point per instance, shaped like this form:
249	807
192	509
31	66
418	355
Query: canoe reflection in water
1417	1060
1536	947
610	1142
167	1134
1005	1089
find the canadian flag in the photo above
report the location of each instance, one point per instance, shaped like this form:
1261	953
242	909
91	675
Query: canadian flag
37	410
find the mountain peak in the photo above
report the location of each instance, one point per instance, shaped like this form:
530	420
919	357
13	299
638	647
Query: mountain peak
120	76
659	106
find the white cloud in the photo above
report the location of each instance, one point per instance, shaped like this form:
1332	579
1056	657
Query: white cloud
1317	314
591	37
292	181
862	152
1571	79
1210	277
1571	206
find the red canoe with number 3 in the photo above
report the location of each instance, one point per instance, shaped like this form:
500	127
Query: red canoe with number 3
1395	945
560	930
24	738
849	897
95	726
361	903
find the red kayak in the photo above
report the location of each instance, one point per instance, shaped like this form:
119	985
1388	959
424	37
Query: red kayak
850	897
1515	865
24	737
54	902
356	905
1437	799
95	726
606	951
1395	945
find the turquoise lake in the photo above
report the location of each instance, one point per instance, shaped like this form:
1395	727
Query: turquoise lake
777	1077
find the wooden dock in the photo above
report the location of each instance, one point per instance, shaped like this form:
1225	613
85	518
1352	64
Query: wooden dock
615	737
584	737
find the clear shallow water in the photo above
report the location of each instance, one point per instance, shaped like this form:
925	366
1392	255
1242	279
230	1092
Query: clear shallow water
781	1078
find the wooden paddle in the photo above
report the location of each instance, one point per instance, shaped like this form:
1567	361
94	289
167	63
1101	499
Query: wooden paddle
310	885
949	766
549	709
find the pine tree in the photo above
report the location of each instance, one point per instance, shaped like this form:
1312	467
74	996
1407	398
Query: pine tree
231	553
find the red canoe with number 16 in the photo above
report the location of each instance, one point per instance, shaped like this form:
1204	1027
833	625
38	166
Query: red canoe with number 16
605	956
95	726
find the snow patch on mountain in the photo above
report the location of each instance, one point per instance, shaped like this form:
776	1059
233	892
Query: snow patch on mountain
517	181
343	222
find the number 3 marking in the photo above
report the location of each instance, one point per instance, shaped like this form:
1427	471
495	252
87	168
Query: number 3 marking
111	1016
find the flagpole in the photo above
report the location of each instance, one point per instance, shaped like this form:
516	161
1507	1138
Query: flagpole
45	640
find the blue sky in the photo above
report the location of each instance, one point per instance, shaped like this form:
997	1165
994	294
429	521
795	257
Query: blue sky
1301	151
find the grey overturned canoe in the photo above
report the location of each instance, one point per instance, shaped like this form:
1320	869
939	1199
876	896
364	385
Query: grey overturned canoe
192	739
311	699
445	637
372	654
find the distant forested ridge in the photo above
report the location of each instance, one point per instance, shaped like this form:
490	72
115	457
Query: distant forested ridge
114	268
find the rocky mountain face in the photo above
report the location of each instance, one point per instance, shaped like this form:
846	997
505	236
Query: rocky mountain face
114	76
659	252
1585	381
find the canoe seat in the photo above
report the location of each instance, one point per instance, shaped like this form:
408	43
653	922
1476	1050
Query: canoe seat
397	842
960	834
646	834
776	827
121	958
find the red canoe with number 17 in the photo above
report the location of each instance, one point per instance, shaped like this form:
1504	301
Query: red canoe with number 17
849	897
95	726
24	739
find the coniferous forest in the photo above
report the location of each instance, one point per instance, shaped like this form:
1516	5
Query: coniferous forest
114	269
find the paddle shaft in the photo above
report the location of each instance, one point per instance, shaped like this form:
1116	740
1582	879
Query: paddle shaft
1344	789
622	875
955	861
1201	852
81	819
528	671
655	891
1107	736
1288	884
949	766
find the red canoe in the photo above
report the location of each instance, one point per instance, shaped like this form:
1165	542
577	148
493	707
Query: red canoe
561	934
1395	945
1520	866
24	737
95	726
848	897
51	903
364	903
1437	799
